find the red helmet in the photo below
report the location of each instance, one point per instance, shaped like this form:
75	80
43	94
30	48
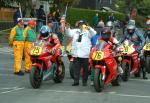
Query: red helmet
32	22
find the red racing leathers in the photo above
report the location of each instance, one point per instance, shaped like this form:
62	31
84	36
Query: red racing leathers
53	45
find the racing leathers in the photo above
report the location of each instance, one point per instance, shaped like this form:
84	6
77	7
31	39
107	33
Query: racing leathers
138	40
53	44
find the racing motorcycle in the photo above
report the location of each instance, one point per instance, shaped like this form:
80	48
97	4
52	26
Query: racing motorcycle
128	52
105	66
45	66
146	53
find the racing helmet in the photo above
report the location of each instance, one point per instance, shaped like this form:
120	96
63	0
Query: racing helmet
106	33
109	24
131	29
44	31
131	22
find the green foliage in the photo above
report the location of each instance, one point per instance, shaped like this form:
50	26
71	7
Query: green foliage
121	5
75	14
141	5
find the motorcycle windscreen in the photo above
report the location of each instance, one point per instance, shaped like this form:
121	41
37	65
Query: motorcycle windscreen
99	54
101	45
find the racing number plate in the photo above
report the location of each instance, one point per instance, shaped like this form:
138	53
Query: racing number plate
36	50
98	55
147	47
126	49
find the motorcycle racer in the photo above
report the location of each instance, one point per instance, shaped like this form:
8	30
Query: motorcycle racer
134	35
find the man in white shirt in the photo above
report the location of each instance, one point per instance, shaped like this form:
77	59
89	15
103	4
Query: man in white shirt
81	46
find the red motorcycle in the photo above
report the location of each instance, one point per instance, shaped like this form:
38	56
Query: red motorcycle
71	59
45	65
129	53
105	66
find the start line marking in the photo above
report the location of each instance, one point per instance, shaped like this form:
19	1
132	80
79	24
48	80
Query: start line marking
11	90
88	92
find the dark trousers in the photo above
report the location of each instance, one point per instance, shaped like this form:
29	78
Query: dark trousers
77	65
142	61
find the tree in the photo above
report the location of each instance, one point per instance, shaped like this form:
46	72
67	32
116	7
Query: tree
141	5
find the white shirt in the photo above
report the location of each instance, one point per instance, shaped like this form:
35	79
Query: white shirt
81	49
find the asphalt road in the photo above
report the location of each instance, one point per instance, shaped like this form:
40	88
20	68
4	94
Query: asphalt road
16	89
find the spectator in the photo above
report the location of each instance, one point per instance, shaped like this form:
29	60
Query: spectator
95	20
50	16
60	36
57	15
23	12
41	17
16	16
112	17
50	25
33	12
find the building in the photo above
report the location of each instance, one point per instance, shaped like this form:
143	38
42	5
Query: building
97	4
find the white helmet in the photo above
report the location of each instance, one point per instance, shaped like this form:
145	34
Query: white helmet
130	29
131	22
101	24
109	24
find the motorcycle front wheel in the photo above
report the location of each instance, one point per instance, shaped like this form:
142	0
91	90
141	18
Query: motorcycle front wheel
98	82
35	77
126	71
58	78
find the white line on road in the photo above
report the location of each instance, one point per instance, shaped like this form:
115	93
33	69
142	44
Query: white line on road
6	53
7	75
6	48
60	91
8	88
75	92
141	80
6	69
89	92
15	89
128	95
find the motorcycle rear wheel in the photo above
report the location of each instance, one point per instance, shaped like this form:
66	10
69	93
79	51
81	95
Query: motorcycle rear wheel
35	77
98	82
